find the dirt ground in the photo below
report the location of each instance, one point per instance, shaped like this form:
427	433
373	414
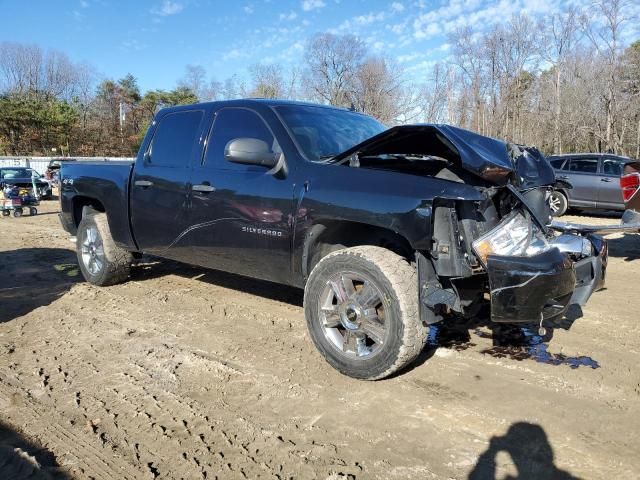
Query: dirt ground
189	373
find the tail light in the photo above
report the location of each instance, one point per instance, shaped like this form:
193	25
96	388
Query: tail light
630	184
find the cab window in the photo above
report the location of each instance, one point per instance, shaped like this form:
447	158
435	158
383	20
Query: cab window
232	123
174	139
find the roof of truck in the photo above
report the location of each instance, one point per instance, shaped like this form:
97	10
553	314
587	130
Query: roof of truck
271	102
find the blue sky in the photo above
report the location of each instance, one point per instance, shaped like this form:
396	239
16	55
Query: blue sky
155	39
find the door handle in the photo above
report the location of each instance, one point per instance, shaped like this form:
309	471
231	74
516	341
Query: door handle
143	183
605	179
203	188
562	177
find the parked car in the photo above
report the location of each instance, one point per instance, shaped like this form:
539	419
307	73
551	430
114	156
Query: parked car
387	230
593	182
630	185
25	177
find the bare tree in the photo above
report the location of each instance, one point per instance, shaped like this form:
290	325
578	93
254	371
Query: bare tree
195	80
468	55
605	34
267	81
28	70
433	95
331	64
232	88
561	35
374	89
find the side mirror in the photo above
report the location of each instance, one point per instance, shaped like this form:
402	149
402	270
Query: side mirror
250	151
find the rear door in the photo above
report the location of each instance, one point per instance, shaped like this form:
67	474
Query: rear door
609	191
582	174
160	187
240	214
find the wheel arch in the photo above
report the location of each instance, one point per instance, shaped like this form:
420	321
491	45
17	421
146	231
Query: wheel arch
118	220
81	203
327	236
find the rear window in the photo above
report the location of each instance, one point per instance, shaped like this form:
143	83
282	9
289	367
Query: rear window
613	166
584	165
174	139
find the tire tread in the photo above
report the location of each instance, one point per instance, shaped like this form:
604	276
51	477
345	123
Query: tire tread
118	264
403	278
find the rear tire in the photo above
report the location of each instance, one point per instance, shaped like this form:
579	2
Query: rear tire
558	203
101	261
361	307
17	212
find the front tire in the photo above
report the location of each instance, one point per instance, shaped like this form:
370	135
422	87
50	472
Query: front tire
361	307
101	261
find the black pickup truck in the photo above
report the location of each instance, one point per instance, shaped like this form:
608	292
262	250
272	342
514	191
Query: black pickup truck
387	230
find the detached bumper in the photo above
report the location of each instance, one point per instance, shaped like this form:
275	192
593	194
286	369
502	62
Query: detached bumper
523	288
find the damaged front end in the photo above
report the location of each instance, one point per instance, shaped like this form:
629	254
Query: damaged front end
500	250
527	272
533	273
534	276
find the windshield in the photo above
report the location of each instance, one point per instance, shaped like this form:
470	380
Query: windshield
8	173
322	132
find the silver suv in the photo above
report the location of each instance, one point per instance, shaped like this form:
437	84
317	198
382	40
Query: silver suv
594	179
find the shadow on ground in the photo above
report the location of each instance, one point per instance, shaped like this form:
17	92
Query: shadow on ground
530	451
595	213
34	277
627	246
22	459
152	268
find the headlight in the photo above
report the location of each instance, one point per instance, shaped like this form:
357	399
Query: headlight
515	236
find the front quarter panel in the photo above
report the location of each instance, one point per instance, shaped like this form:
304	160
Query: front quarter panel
397	202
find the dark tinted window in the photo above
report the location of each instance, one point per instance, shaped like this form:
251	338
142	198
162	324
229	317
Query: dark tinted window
613	166
584	165
232	123
324	132
174	139
557	163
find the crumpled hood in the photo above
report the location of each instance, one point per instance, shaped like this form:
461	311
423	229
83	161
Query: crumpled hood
493	160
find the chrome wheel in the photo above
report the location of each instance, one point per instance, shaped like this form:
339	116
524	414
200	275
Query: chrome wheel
92	251
554	203
352	315
557	204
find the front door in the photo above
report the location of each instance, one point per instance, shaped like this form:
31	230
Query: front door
240	215
160	187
